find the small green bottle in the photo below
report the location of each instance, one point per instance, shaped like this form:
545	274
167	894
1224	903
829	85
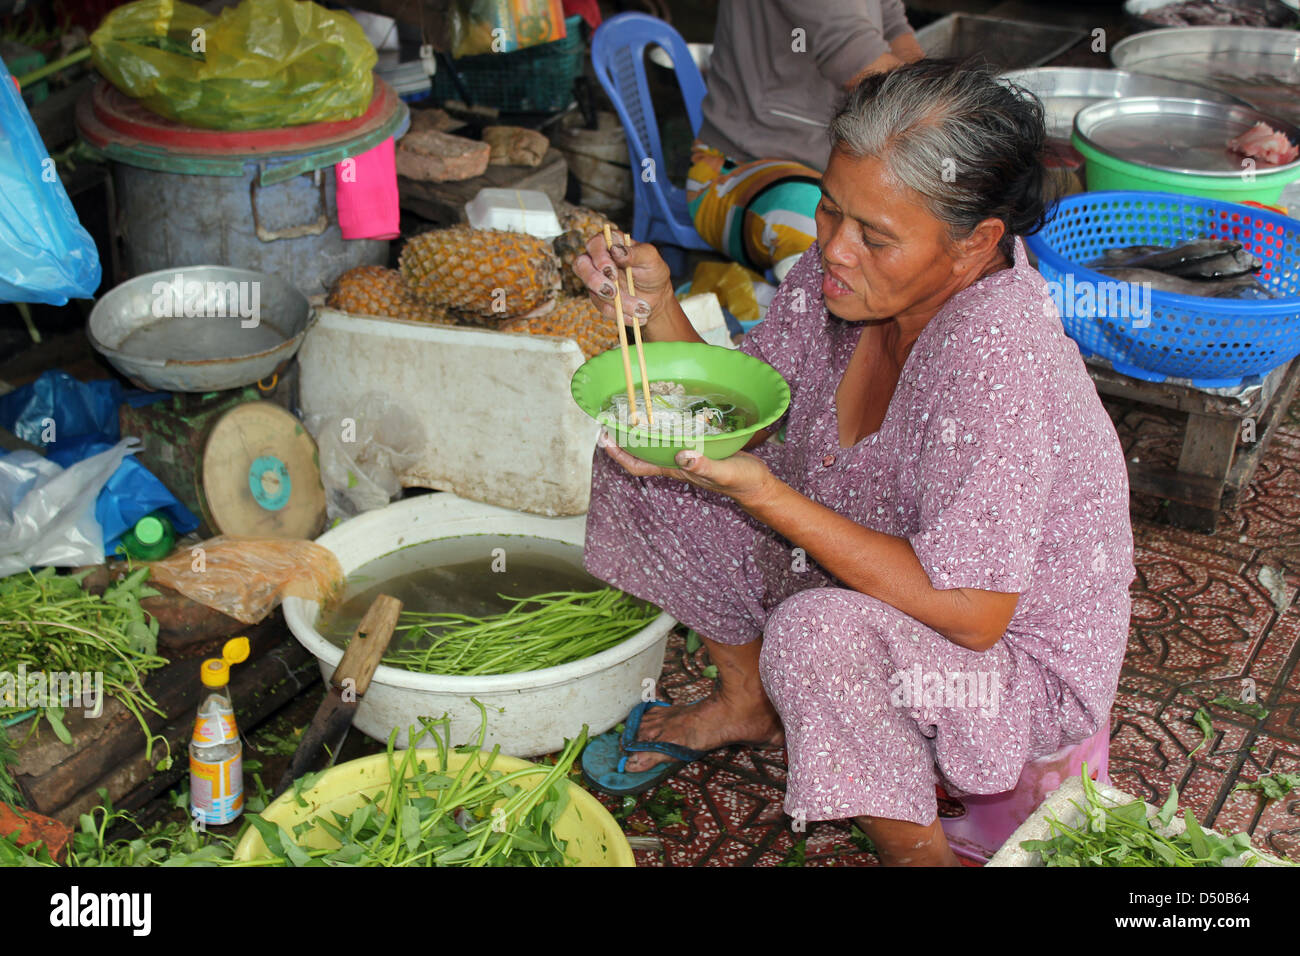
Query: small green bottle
151	539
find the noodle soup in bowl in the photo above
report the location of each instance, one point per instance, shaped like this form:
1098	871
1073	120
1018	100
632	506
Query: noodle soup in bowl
703	397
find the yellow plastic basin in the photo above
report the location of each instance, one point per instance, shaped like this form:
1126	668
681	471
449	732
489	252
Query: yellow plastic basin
593	836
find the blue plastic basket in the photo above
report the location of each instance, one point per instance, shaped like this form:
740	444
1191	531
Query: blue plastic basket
1214	342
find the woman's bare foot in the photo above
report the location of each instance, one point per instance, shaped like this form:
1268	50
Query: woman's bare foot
903	843
737	712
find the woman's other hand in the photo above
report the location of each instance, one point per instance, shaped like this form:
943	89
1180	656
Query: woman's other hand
743	477
600	267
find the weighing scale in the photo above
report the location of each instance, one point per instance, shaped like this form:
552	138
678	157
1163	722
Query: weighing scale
241	463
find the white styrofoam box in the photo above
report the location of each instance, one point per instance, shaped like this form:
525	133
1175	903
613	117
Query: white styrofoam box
514	210
499	423
1061	805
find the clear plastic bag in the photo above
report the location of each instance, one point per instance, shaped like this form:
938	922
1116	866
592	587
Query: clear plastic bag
47	513
245	578
46	255
261	64
364	453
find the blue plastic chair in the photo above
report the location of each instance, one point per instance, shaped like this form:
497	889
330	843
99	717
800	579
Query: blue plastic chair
618	54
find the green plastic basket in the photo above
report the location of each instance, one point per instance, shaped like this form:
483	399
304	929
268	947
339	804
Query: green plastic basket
537	79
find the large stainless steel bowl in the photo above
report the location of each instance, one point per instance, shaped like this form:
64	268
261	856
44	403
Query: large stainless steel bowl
1066	90
200	328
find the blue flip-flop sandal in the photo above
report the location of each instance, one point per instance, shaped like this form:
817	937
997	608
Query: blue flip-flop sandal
604	761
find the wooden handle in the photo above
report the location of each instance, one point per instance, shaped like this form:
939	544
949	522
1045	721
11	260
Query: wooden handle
622	341
368	644
640	349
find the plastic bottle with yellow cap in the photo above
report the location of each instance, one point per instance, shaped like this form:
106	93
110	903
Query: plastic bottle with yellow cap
216	752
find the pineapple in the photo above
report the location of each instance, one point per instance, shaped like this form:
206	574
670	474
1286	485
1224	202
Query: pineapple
374	290
579	224
489	274
572	318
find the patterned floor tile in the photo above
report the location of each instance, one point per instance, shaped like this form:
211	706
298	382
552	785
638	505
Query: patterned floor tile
1274	825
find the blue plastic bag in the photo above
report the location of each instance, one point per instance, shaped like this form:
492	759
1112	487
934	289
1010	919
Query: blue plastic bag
57	408
45	253
132	492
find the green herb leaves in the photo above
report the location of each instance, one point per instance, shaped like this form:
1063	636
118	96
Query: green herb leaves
1125	836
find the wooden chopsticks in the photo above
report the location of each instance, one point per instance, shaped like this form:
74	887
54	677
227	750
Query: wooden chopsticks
622	341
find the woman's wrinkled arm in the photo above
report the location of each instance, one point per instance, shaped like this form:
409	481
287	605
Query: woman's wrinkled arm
882	566
878	564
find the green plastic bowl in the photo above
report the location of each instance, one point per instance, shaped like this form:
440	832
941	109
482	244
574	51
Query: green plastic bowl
1105	172
724	368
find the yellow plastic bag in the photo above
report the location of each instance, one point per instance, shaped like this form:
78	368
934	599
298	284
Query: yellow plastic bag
247	577
262	64
732	283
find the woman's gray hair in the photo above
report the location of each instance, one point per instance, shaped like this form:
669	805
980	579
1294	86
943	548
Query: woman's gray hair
967	142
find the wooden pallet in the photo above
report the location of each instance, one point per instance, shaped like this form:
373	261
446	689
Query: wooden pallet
62	781
1215	464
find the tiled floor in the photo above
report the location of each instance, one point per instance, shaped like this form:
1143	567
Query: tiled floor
1212	615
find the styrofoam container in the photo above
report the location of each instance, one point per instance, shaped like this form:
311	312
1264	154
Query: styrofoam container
528	714
514	210
1060	805
497	421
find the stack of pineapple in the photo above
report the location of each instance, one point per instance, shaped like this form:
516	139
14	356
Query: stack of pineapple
572	318
505	280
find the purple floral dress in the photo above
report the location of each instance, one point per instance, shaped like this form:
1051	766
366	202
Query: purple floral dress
997	461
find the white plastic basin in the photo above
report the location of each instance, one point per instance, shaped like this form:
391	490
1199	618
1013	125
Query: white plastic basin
529	713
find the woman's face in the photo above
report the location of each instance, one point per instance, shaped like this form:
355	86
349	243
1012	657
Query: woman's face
884	255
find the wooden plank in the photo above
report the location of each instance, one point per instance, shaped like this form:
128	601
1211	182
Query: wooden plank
1209	445
1179	397
444	203
369	641
1195	490
1250	453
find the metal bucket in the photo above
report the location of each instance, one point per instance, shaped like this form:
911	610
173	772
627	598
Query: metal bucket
260	199
288	229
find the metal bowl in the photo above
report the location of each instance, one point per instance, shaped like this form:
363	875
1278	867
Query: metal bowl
200	328
1260	66
1274	12
1176	135
1066	90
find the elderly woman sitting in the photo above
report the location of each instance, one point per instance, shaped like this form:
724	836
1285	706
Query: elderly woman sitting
927	581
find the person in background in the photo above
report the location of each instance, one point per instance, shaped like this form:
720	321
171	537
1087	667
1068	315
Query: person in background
776	72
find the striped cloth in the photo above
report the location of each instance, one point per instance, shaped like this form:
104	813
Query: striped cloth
754	213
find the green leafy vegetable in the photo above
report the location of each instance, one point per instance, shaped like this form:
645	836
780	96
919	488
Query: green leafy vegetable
51	625
1125	836
1249	707
436	816
797	854
1274	786
546	630
1202	719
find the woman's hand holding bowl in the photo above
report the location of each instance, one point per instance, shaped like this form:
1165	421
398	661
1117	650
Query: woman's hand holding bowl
743	477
